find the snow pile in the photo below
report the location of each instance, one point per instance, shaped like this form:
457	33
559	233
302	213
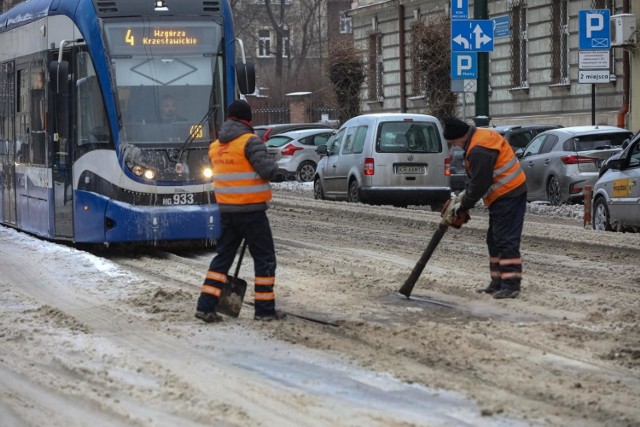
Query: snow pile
573	211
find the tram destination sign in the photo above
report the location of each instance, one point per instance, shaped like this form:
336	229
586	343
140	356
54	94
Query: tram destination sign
135	38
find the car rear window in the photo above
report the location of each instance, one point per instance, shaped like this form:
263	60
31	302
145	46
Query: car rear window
408	137
278	141
595	142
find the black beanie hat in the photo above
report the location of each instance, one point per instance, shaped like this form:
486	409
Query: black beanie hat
454	128
240	110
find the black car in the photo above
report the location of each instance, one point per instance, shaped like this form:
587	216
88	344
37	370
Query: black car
267	131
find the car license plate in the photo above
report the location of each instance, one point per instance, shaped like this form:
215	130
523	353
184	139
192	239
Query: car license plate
410	169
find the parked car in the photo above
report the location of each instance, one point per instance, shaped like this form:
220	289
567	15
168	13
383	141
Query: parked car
616	193
517	136
624	146
558	163
268	131
295	152
520	135
398	159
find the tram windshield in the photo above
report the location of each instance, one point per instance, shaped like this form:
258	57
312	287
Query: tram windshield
169	79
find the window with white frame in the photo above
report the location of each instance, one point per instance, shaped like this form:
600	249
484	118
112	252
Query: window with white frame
559	43
264	43
345	23
286	44
519	45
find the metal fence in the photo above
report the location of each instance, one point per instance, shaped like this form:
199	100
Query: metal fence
273	114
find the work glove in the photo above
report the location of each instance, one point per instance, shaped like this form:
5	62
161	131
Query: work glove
453	214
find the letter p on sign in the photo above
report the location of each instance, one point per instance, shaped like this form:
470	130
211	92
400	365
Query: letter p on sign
595	23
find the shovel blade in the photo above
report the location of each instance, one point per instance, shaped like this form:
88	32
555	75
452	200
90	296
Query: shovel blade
231	297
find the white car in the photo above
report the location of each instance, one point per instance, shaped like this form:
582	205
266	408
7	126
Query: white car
295	152
616	194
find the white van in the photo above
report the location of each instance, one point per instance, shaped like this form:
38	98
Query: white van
398	159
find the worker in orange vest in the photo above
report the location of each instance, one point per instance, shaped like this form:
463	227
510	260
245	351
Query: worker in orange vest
242	170
495	176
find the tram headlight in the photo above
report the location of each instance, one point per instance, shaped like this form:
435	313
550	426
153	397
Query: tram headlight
207	172
143	172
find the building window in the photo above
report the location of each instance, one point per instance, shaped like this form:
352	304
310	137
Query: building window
519	45
559	43
273	2
286	44
375	67
345	23
264	43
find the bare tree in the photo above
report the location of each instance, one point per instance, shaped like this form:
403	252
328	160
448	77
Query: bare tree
431	63
280	28
346	71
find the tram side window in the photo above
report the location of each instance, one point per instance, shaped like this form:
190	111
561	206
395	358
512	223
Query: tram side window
37	110
93	127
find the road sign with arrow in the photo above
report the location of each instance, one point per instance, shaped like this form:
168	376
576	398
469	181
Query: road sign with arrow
474	35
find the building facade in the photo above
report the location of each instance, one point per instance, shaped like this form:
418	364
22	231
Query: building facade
532	71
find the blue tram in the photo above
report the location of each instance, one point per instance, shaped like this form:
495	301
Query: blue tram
87	153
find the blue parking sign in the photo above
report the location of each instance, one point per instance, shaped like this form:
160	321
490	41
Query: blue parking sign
595	29
464	65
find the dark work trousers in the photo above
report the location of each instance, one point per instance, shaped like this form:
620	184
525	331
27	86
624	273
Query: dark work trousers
506	216
255	229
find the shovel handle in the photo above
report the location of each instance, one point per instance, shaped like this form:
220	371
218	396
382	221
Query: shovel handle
244	247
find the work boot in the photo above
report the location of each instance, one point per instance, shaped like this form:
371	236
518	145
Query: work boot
210	317
493	287
506	293
269	316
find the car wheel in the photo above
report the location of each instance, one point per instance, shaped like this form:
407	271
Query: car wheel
306	171
318	192
354	192
553	192
600	218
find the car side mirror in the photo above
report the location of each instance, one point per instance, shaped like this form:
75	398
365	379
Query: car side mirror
519	153
322	150
615	164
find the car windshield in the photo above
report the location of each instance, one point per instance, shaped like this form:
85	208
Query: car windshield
278	141
408	137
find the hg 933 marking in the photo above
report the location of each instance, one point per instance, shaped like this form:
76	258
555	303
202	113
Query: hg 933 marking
178	199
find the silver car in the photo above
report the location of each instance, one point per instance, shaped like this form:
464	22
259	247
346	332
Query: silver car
616	194
398	159
559	163
295	152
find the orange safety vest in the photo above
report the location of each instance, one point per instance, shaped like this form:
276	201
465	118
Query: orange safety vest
507	173
235	182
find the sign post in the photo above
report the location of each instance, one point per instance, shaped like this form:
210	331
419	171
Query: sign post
595	42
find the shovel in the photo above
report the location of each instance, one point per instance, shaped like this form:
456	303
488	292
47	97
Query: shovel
232	295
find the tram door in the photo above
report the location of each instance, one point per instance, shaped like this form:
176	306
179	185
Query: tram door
7	143
59	129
